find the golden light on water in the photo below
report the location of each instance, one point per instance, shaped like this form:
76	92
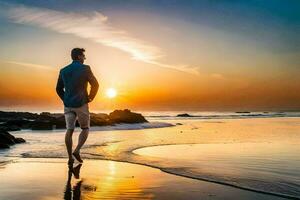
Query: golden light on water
111	93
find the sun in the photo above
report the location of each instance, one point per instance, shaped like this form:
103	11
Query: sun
111	93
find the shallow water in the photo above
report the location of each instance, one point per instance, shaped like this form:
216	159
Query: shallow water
44	179
270	167
254	153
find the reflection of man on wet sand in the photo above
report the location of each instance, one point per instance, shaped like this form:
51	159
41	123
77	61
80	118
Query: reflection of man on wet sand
74	192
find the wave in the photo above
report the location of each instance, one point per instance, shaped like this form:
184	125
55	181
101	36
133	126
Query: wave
135	126
267	177
231	184
224	115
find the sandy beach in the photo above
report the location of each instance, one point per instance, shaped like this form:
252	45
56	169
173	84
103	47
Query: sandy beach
208	159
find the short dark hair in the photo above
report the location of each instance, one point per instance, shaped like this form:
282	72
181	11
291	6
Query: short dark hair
77	52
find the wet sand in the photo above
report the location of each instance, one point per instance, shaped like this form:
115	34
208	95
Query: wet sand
271	168
40	178
224	151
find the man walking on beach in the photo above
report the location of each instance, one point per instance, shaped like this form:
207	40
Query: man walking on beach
72	89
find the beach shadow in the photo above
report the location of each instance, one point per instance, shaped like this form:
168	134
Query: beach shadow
73	193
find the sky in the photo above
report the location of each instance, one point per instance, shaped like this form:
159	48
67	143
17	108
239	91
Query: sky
158	55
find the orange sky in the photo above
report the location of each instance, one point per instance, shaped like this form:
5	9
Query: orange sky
163	63
154	90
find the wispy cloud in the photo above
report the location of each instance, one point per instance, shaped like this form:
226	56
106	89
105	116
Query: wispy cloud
93	26
30	65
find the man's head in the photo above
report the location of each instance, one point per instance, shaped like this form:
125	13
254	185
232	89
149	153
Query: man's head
78	54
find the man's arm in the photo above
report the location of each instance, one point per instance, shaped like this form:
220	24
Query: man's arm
94	84
60	87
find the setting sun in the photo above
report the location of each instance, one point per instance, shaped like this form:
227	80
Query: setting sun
111	93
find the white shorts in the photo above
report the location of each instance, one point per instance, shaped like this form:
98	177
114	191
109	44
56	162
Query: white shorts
81	113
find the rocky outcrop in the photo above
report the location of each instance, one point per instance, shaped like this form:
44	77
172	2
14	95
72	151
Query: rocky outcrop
6	139
126	116
100	119
184	115
12	121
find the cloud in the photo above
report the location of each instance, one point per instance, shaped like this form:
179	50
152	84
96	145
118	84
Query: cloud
30	65
93	26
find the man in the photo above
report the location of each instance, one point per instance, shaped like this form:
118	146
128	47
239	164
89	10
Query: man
72	89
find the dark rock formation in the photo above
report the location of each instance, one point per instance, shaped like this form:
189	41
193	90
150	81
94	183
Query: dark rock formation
14	121
17	115
42	125
7	139
4	127
184	115
19	140
4	146
242	112
100	119
126	116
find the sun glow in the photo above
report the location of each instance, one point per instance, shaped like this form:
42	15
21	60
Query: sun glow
111	93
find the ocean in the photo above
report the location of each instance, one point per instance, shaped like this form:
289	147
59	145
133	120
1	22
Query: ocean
257	151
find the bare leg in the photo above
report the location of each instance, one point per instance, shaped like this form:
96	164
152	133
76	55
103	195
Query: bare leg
69	142
81	140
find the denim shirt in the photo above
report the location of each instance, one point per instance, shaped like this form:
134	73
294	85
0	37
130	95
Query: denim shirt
72	84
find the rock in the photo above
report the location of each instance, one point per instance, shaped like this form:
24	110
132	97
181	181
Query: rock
20	123
42	125
126	116
100	119
4	146
60	122
184	115
6	139
13	121
9	128
4	116
19	140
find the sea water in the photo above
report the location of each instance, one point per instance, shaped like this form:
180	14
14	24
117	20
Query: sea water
259	153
